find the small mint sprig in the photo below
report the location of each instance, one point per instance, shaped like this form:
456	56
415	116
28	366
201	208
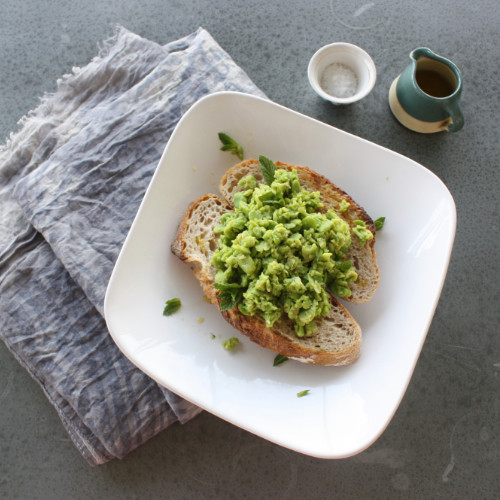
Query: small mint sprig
379	223
171	306
279	359
230	145
268	168
230	295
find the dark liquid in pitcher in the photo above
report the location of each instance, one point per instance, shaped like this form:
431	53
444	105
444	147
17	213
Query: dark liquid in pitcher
433	83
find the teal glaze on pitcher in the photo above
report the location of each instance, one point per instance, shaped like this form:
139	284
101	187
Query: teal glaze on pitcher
425	96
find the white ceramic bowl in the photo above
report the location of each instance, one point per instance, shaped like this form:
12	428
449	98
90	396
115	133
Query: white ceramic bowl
360	67
348	407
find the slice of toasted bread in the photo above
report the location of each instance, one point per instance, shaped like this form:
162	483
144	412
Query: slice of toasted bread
362	256
195	241
338	339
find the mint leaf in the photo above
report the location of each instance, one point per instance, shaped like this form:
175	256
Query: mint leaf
229	144
268	169
171	306
303	393
230	299
280	358
227	286
379	223
230	295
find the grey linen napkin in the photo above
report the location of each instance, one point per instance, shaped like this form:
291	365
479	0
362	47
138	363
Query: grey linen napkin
71	181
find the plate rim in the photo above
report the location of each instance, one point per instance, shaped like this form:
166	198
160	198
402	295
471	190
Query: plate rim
117	267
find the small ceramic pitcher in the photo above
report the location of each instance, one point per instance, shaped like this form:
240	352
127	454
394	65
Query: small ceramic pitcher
425	96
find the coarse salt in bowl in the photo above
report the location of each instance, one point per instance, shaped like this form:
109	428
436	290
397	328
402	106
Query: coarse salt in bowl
342	73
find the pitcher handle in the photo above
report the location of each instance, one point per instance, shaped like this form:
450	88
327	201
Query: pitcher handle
453	109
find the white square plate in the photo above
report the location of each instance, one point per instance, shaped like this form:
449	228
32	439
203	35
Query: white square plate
347	408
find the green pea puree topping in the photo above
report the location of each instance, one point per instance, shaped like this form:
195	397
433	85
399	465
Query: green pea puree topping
279	255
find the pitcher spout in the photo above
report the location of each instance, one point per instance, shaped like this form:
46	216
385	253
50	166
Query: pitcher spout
420	52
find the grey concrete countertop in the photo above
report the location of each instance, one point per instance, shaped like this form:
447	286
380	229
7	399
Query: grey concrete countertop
444	441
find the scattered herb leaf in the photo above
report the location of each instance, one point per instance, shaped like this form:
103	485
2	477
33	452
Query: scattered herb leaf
303	393
229	300
212	335
230	343
279	359
171	306
379	223
227	286
268	168
229	144
230	295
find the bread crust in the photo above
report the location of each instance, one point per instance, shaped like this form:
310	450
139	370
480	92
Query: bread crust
281	338
338	339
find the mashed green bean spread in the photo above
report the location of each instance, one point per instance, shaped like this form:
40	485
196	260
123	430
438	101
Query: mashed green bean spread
278	254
